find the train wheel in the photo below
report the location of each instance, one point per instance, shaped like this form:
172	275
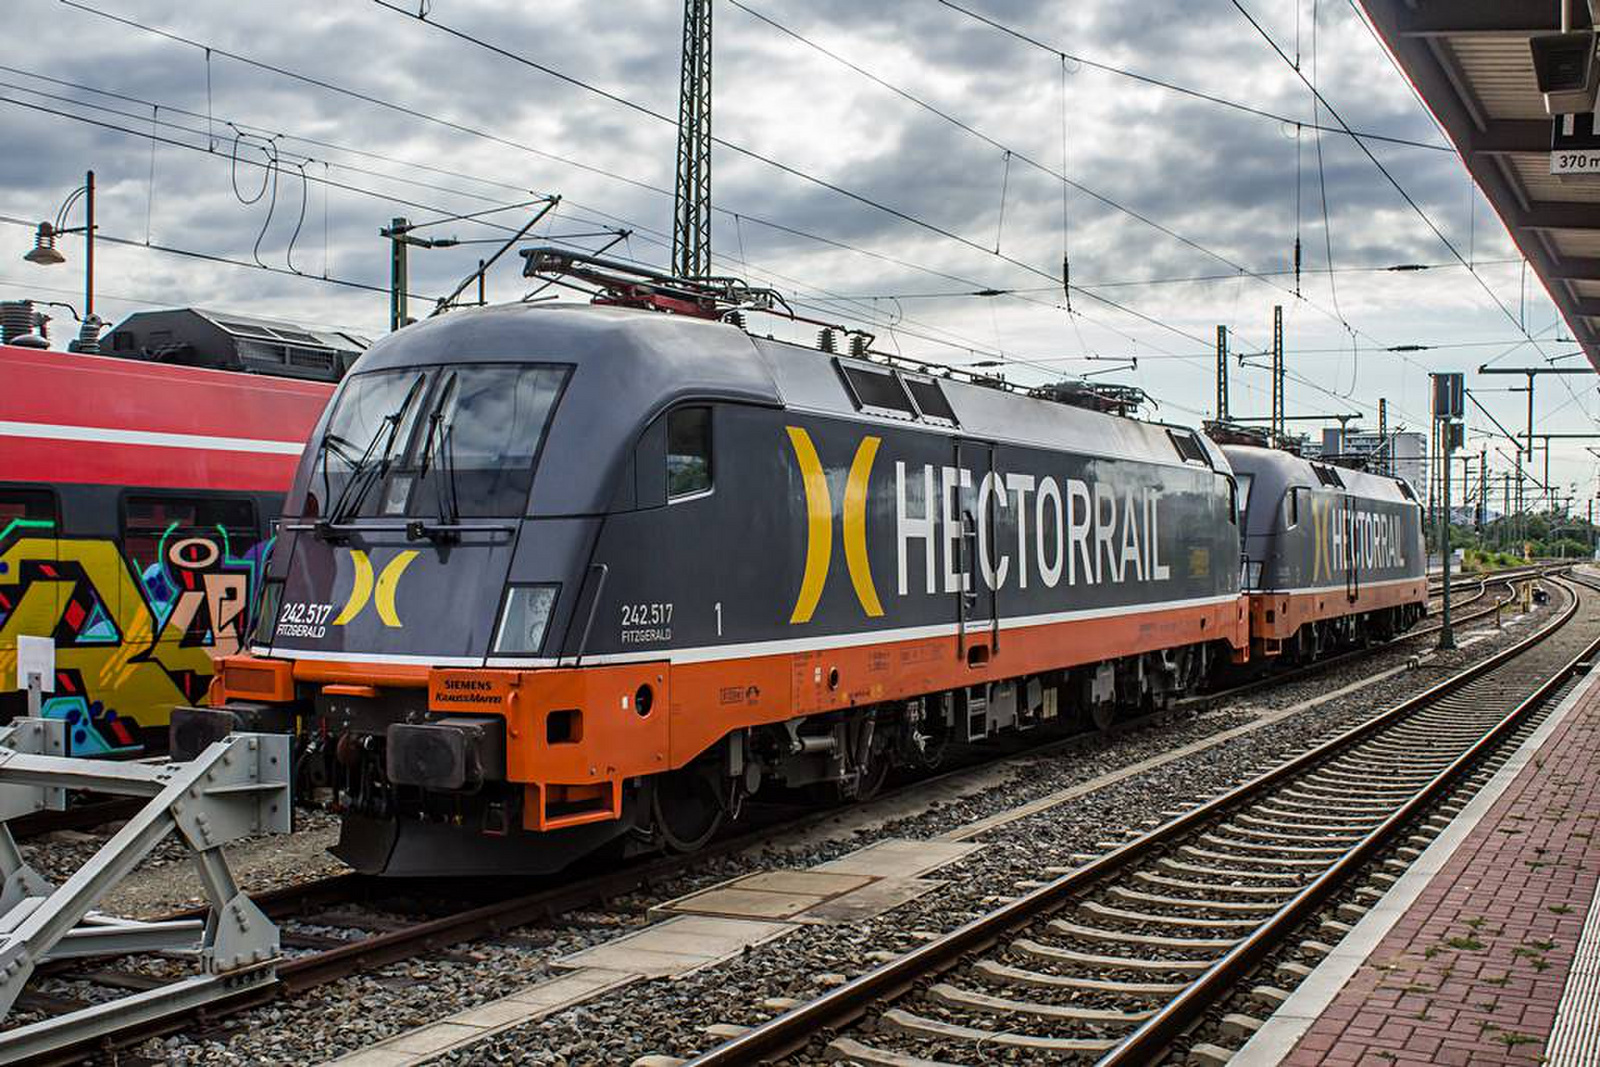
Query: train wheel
928	750
1103	714
687	810
872	779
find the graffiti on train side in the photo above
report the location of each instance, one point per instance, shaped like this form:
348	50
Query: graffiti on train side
133	635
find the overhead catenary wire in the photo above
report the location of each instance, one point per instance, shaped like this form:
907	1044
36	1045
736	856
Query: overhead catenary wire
1382	169
212	257
868	201
1010	359
954	340
282	136
1067	285
1184	90
1066	220
850	194
290	136
174	142
1472	205
915	266
327	191
1184	279
1342	127
1322	188
823	183
1023	157
471	131
76	4
1389	176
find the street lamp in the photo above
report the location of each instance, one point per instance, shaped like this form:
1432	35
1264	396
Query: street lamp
44	247
45	253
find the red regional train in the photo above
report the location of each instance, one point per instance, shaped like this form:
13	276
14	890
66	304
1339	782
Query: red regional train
138	502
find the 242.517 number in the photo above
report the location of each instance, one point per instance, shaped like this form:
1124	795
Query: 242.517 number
656	614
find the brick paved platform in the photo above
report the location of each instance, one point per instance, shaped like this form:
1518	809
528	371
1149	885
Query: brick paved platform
1467	958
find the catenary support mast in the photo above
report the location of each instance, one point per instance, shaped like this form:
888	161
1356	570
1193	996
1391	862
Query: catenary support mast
691	223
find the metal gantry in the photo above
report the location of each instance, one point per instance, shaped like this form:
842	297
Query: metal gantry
1278	430
1385	455
237	786
691	222
1222	373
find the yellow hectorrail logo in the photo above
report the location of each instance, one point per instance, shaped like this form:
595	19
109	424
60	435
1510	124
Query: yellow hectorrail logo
819	525
385	587
1321	539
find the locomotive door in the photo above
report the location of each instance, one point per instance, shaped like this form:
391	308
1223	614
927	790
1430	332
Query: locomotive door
977	604
1352	575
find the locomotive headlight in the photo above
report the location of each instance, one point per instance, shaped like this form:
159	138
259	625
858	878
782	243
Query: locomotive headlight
524	618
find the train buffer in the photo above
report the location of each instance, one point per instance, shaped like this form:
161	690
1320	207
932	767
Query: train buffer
235	787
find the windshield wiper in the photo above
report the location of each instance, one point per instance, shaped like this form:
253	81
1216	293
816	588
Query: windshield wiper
332	442
444	497
447	464
365	473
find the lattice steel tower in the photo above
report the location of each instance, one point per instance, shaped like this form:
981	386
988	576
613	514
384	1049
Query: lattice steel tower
691	223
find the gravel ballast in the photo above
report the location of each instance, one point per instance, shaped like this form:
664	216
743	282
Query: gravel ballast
669	1016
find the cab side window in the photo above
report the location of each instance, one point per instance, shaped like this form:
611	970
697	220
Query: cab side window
1296	502
688	451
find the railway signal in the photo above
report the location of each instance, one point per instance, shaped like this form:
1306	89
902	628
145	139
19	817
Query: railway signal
1449	406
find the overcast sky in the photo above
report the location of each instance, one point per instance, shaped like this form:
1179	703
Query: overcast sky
1166	186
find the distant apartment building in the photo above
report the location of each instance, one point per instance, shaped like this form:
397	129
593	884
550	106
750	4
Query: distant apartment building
1407	453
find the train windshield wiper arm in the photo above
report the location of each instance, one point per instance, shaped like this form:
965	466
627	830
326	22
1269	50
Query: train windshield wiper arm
332	442
444	481
366	472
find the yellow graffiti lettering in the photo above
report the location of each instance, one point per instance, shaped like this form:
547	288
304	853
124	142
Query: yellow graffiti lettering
138	674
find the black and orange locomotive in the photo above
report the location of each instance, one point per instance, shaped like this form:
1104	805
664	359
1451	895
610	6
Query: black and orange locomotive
554	579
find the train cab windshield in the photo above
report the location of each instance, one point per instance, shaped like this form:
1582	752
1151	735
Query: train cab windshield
457	440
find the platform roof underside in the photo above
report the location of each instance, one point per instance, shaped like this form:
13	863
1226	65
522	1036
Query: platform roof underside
1470	62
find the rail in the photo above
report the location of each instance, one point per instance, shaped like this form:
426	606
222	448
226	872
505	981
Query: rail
846	1003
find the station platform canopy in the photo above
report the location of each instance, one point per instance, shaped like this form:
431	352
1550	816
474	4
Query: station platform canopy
1471	62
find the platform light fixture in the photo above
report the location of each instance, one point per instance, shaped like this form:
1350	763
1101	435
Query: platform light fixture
1564	66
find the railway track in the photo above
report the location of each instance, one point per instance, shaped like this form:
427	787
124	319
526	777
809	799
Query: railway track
379	922
384	921
1479	586
1122	955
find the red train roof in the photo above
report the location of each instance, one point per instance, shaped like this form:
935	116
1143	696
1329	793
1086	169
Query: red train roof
73	418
